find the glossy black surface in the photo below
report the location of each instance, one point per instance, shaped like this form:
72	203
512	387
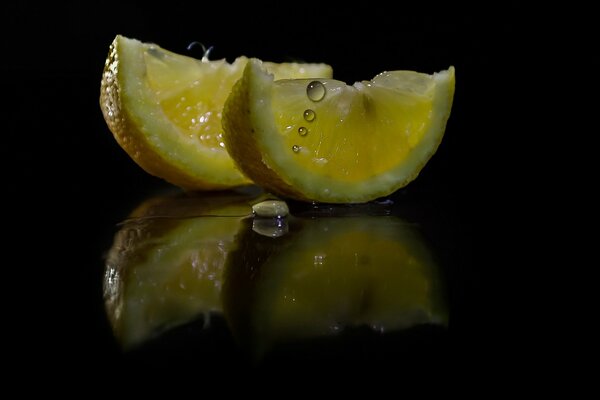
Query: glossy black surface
322	272
70	184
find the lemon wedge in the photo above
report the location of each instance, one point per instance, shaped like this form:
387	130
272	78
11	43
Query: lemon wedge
164	109
322	140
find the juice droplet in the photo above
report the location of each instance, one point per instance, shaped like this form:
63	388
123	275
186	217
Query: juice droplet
154	52
315	91
302	131
309	115
295	148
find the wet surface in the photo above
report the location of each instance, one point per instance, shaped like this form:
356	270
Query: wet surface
309	278
194	276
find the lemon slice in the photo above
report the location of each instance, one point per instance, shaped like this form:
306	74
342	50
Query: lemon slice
164	110
323	140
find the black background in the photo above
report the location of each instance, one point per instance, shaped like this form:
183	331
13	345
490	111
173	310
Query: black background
69	183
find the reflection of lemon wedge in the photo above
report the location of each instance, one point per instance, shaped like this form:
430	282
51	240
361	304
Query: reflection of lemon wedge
165	265
329	274
326	141
165	109
177	258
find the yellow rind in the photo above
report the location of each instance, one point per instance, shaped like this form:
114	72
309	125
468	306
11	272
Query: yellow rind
240	141
122	102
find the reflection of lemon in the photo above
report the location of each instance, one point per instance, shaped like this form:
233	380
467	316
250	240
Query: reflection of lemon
328	274
165	265
326	141
165	109
182	256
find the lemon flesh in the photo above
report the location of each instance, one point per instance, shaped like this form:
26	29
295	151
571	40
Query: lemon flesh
322	140
164	110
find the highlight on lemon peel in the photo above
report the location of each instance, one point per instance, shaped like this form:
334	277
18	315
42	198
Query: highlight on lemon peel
164	109
323	140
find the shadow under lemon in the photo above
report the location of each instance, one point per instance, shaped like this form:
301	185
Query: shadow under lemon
275	281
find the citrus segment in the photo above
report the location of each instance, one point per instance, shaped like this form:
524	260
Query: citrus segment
323	140
164	109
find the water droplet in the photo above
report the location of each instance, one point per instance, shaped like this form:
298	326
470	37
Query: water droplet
302	131
295	148
318	259
309	115
154	52
315	91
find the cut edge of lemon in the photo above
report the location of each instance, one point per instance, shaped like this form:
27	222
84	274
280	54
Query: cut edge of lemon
127	99
262	159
